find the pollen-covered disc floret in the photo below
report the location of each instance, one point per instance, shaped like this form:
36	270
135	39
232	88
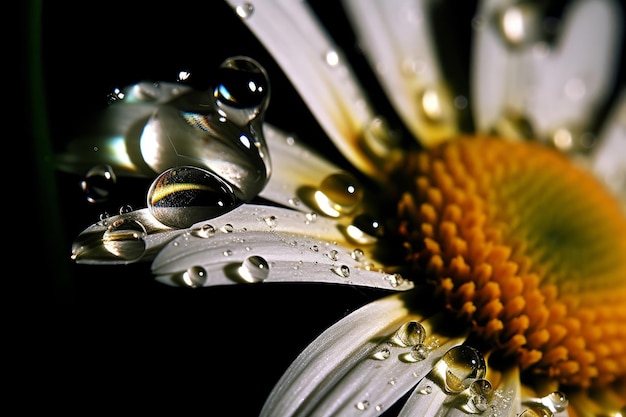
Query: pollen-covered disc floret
528	248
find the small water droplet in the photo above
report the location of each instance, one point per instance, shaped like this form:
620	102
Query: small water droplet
270	221
254	269
245	10
310	217
227	252
338	194
315	248
125	239
98	183
379	138
204	231
196	276
342	271
426	390
332	58
333	255
553	403
519	24
382	354
394	280
362	405
358	254
182	196
227	228
409	334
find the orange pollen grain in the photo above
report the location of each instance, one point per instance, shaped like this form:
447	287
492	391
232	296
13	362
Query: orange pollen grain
527	247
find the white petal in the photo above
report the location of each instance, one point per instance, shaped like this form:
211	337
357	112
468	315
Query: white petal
609	158
295	166
337	375
316	68
553	88
397	40
291	247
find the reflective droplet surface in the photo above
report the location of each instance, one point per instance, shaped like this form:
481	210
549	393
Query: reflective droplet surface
338	194
254	269
98	183
196	276
382	354
343	271
409	334
365	229
125	239
458	368
520	24
204	231
183	196
242	89
553	403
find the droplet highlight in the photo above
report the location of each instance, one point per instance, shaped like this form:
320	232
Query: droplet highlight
254	269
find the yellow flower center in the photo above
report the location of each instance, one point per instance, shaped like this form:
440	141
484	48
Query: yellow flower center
528	248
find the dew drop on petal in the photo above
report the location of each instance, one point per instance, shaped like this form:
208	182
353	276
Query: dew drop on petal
343	271
98	183
180	197
458	368
520	24
333	255
553	403
378	137
204	231
270	221
365	229
245	10
362	405
338	194
254	269
195	276
125	239
409	334
227	228
357	254
382	354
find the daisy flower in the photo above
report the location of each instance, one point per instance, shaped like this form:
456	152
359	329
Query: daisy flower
485	203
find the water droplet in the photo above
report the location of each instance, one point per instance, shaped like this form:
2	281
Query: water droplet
182	196
310	217
270	221
458	368
477	397
125	209
333	255
379	137
426	390
432	105
394	279
227	252
362	405
254	269
342	271
98	183
382	354
315	248
358	254
338	194
409	334
553	403
227	228
520	24
196	276
244	10
204	231
332	58
365	229
125	239
242	91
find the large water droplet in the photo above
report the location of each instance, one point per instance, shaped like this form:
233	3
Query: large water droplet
242	89
338	194
409	334
553	403
98	183
195	276
254	269
182	196
458	368
520	24
125	239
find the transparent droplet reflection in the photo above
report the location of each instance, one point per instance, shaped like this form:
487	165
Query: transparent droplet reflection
125	239
254	269
98	183
183	196
338	194
409	334
458	368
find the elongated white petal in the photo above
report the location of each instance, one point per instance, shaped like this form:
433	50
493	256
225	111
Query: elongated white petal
397	40
609	157
318	71
295	167
268	244
557	88
339	373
